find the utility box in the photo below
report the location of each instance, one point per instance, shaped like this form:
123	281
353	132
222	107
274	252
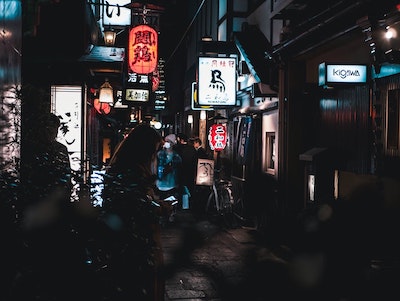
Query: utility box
318	175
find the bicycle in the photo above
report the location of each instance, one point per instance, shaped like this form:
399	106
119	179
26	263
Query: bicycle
224	203
219	202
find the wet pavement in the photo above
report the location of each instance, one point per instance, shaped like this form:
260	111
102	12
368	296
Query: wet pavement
206	261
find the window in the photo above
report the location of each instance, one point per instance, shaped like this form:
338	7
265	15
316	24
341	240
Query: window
270	154
393	119
222	9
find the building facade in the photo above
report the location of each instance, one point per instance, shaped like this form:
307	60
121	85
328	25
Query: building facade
294	138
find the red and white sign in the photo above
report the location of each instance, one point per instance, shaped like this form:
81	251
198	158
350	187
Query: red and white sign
217	137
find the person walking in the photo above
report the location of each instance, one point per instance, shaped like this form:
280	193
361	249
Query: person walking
168	165
200	192
201	153
51	251
131	220
188	170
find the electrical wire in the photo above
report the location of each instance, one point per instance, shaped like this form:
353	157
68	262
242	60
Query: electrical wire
186	32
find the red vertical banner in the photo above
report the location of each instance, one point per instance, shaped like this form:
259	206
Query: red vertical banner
217	137
143	49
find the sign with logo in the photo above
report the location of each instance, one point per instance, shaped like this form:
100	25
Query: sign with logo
342	74
216	81
217	137
142	49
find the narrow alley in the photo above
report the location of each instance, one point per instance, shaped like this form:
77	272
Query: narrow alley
205	261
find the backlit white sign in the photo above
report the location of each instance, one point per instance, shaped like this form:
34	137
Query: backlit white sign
342	74
137	95
115	13
66	103
217	81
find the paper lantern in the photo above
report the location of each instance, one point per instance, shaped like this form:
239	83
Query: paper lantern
143	49
101	107
217	137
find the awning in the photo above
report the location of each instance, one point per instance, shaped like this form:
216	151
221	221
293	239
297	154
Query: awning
257	52
104	62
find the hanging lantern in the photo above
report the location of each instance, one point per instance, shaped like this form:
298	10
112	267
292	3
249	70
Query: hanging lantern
109	37
155	81
102	107
143	49
106	93
217	137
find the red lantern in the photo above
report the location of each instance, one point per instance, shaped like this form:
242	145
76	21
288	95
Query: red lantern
155	81
101	107
217	137
143	49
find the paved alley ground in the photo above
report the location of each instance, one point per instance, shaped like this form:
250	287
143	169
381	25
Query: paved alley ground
205	261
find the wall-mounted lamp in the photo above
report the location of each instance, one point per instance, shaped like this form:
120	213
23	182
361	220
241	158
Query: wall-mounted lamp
203	115
109	37
207	39
106	93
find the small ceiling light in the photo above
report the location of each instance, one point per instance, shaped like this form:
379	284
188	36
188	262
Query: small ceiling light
156	124
390	33
109	37
207	39
106	93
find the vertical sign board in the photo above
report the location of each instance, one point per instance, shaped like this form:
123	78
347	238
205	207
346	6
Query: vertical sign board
244	130
66	103
142	63
205	172
137	89
217	81
217	137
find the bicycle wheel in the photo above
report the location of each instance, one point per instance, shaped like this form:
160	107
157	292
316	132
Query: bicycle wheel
238	213
211	206
226	202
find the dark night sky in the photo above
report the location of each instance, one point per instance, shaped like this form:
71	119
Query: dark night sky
173	24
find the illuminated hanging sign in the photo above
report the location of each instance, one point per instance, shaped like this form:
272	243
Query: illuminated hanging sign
217	137
115	14
140	95
341	74
134	78
142	49
66	102
217	81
